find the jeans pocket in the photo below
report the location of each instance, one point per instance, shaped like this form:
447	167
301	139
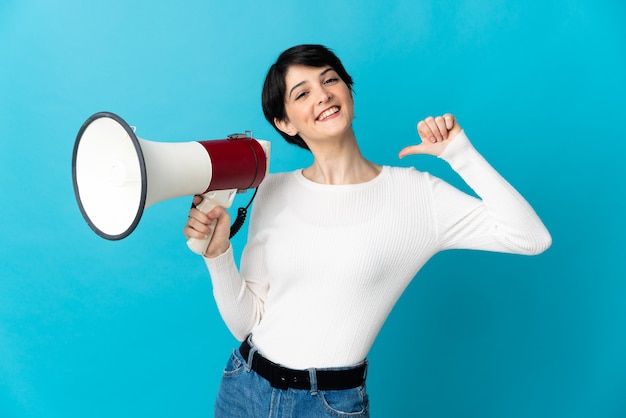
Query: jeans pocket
346	403
234	366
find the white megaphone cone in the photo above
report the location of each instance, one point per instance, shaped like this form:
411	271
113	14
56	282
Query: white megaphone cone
117	176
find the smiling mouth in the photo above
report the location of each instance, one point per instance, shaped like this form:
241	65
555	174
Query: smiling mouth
328	113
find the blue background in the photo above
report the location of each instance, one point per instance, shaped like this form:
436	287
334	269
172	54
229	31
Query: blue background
94	328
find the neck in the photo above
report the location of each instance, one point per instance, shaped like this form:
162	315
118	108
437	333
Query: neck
340	165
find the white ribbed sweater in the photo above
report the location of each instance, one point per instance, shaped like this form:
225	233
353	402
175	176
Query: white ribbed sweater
325	264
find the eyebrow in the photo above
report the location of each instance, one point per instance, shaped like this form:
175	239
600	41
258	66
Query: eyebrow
304	82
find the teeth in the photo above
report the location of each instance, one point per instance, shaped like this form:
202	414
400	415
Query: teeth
328	113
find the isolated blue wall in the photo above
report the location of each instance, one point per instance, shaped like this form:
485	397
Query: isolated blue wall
93	328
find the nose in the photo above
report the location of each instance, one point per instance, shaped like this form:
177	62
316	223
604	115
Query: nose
324	96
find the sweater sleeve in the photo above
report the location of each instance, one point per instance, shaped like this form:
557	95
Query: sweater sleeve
240	294
239	302
499	220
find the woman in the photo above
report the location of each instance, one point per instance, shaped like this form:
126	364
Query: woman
332	247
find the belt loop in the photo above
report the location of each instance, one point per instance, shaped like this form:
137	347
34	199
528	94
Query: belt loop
313	381
366	369
253	351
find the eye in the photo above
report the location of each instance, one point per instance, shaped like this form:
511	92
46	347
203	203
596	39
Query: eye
331	80
301	95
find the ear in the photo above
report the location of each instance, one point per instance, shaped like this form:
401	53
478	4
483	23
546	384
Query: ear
285	126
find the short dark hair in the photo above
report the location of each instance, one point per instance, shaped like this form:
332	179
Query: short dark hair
274	88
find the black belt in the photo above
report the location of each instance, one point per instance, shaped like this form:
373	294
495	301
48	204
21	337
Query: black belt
283	378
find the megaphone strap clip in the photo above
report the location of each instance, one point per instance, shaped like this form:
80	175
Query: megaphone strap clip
247	134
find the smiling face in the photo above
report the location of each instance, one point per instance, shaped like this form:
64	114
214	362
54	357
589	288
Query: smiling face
318	104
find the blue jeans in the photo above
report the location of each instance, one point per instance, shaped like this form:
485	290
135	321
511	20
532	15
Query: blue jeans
245	394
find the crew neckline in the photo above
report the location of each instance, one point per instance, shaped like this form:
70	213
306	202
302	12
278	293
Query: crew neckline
384	172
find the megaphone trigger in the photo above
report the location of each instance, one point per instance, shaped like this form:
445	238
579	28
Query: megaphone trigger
223	198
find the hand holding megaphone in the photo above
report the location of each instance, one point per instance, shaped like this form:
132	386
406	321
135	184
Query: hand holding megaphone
117	175
202	226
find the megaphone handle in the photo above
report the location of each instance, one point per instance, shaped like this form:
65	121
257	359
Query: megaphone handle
210	200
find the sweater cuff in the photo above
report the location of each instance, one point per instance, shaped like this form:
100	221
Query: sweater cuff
221	260
459	145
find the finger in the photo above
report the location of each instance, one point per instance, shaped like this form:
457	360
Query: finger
449	119
200	231
434	128
197	199
424	131
411	150
216	213
198	215
441	125
203	227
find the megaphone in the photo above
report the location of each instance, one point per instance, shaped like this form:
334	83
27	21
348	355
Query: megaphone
117	175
